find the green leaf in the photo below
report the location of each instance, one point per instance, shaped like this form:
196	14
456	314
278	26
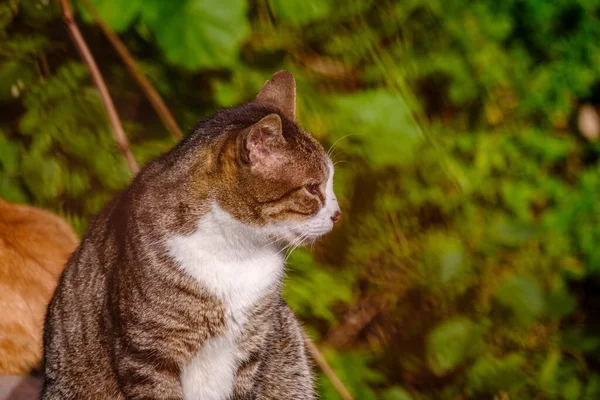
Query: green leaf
490	374
592	390
445	258
510	232
306	280
301	12
9	154
355	371
396	393
120	16
10	187
198	33
451	343
560	303
572	389
14	78
523	296
42	176
384	132
548	372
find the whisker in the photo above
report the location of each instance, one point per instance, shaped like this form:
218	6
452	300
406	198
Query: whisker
337	141
284	248
296	243
277	239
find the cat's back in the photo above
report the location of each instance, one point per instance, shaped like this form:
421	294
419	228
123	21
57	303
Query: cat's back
34	246
75	319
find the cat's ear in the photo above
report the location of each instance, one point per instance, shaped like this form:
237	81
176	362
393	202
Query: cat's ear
280	92
262	139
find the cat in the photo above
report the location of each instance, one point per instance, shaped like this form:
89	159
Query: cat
34	246
175	290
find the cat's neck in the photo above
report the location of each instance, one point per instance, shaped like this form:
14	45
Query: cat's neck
230	260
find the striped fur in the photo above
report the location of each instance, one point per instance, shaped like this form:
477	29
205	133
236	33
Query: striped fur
174	292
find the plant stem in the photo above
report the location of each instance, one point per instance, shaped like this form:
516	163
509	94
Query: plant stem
151	94
326	368
85	53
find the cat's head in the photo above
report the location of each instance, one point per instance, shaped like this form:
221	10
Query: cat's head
273	176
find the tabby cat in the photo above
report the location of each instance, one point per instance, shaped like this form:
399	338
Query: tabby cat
34	246
175	290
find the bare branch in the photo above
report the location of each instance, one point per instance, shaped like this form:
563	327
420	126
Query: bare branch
99	82
151	94
324	365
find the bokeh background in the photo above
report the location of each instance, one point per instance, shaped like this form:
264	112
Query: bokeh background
468	167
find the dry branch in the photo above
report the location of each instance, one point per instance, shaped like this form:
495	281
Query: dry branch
151	94
99	82
327	370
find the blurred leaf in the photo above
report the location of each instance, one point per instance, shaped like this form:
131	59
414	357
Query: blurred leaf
386	130
592	390
42	176
560	303
300	12
490	374
14	79
304	282
354	371
572	389
9	154
396	393
121	17
451	343
522	296
446	258
547	379
198	33
511	233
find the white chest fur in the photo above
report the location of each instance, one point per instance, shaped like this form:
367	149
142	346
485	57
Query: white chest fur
224	257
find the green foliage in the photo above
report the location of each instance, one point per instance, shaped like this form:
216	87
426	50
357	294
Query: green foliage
307	280
298	12
396	393
522	296
466	264
451	343
489	375
357	379
386	130
191	33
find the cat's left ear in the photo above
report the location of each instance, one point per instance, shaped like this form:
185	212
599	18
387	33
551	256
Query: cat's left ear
262	140
280	92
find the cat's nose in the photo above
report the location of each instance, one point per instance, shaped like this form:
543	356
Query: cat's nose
336	216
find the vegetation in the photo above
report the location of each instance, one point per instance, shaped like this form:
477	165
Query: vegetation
467	265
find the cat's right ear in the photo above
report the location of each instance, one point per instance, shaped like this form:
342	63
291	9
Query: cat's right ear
280	92
260	142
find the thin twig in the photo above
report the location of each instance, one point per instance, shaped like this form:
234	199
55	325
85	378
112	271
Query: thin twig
151	94
324	365
99	82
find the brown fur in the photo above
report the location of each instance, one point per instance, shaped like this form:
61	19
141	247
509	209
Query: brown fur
34	246
125	319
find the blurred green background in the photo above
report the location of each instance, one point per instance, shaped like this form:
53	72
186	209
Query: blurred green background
465	135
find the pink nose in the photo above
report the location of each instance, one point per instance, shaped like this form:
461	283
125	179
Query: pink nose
336	216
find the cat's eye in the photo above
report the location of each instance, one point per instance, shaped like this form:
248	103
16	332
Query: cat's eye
313	189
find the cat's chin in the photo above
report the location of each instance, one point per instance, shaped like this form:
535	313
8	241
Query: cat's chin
303	238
